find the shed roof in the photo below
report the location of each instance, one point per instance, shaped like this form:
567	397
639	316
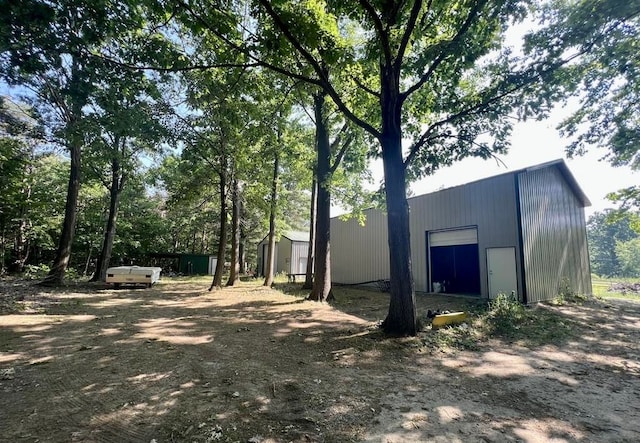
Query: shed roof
292	235
297	235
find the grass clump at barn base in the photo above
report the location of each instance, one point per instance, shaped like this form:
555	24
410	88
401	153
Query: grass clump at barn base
505	318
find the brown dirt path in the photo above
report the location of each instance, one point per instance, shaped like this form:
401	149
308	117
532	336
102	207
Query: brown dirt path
176	363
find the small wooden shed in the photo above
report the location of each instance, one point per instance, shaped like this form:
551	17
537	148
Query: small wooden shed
292	249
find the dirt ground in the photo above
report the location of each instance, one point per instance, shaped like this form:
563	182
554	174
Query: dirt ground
176	363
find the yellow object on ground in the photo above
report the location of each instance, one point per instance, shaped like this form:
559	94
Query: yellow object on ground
453	318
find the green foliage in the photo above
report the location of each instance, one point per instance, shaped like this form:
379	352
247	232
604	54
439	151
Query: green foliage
605	230
606	76
566	294
628	255
31	202
509	319
603	39
142	229
35	272
506	314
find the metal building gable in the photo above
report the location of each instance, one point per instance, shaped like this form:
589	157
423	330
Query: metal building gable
567	175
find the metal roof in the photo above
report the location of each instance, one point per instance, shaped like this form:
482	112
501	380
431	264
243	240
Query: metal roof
292	235
297	235
559	164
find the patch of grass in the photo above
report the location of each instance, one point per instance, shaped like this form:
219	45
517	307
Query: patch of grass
508	319
204	279
9	305
601	288
462	337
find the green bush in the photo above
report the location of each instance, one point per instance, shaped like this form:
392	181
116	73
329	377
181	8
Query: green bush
72	274
505	314
34	272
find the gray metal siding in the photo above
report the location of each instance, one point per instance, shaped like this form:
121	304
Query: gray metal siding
360	253
283	257
553	234
489	205
298	250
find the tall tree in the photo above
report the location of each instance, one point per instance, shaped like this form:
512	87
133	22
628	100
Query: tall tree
329	157
424	69
42	45
605	230
125	123
270	259
308	278
236	203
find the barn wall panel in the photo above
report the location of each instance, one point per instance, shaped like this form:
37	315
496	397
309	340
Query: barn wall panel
554	235
489	205
283	259
360	253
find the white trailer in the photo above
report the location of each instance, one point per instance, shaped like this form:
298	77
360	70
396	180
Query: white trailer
134	275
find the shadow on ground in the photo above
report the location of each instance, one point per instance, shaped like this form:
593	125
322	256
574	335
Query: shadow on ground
179	363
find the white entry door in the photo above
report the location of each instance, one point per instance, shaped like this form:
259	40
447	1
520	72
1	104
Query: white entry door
501	265
213	262
302	265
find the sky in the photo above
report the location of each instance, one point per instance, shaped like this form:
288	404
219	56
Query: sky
532	143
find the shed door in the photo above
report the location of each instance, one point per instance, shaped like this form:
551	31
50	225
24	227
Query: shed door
212	265
454	237
501	266
454	261
302	266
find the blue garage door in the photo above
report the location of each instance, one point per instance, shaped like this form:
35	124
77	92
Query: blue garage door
455	261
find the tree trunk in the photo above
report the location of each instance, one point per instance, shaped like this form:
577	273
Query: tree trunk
75	141
88	260
401	319
243	242
322	279
63	253
21	245
3	252
115	191
269	260
21	249
234	275
222	244
308	279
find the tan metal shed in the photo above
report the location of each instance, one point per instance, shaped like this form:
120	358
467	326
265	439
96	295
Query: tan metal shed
291	253
522	231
